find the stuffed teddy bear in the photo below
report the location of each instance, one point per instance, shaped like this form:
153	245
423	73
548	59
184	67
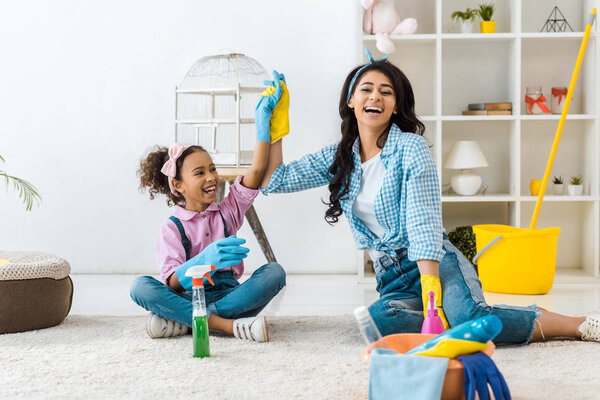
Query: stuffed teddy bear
382	19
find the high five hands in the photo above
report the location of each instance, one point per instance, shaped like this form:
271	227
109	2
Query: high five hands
272	112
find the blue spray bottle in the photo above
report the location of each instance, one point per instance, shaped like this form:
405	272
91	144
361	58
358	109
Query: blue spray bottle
199	315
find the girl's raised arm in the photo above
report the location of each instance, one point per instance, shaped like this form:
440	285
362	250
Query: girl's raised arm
275	158
272	123
254	177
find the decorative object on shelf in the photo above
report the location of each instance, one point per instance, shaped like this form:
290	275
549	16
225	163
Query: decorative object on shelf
465	19
575	187
557	185
463	239
556	22
536	101
485	12
380	18
487	112
214	106
465	155
489	109
557	103
534	186
26	190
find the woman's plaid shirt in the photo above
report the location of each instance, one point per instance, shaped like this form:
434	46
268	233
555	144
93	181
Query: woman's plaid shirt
408	205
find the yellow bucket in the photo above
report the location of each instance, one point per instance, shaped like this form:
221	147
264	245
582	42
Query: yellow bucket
516	260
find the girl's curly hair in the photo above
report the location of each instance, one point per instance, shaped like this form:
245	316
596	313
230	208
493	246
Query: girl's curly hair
156	181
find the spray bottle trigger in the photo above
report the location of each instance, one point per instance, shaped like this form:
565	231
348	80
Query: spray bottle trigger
208	277
198	272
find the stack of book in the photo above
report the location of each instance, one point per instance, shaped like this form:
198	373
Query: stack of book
489	109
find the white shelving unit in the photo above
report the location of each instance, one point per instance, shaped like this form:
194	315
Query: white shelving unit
449	70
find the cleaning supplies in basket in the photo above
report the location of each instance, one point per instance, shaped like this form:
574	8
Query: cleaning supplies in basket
466	338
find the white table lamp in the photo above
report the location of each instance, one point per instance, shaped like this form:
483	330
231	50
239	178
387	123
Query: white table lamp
465	155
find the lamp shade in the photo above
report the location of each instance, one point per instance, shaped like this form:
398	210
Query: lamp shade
465	154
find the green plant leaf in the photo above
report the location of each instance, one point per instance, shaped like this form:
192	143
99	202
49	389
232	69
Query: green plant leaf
463	239
463	16
27	192
486	11
575	180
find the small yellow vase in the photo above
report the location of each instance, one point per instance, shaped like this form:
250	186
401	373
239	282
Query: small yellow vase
535	186
487	26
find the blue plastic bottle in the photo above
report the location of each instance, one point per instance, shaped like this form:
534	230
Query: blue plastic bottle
480	330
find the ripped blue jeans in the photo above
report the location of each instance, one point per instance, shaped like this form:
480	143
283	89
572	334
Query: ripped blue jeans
400	307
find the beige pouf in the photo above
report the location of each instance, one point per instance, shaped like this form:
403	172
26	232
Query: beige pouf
35	290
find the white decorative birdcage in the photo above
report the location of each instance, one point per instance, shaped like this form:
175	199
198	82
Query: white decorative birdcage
214	107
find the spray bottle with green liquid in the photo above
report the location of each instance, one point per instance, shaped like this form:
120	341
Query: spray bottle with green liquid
199	317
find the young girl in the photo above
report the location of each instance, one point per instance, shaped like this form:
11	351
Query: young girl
382	176
202	232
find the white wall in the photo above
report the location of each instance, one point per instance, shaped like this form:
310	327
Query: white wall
87	87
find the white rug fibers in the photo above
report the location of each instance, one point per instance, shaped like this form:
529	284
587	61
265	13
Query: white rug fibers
307	358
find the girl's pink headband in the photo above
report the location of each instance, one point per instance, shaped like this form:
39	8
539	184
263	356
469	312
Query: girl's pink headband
170	167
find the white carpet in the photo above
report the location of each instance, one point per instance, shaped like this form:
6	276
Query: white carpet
307	358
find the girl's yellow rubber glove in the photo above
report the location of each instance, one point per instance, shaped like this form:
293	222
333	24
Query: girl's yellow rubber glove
432	283
280	119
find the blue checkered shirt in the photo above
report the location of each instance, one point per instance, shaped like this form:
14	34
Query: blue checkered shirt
408	205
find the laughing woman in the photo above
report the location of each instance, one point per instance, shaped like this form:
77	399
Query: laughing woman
382	176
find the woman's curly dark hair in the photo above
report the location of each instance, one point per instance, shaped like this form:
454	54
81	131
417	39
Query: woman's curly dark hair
405	118
156	181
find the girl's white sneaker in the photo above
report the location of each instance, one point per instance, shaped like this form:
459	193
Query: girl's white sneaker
159	327
253	328
590	328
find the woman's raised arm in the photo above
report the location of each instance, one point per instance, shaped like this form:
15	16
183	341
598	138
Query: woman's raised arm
275	158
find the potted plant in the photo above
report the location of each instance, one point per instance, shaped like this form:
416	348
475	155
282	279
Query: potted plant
485	12
557	185
465	19
463	239
575	188
26	190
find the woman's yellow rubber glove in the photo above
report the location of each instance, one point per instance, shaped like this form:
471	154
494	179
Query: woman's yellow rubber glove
432	283
280	119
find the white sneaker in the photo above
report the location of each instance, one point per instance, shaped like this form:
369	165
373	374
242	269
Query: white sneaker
159	327
590	328
253	328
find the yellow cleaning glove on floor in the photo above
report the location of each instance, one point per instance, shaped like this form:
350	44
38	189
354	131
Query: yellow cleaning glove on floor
280	119
432	283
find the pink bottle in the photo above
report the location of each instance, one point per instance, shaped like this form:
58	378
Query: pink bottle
432	323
